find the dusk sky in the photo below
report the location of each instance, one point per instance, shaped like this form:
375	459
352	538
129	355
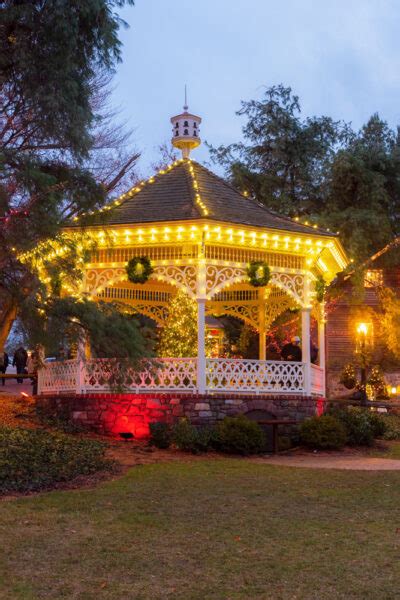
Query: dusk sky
340	56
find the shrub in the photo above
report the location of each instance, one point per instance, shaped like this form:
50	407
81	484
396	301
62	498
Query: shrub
362	426
392	423
190	438
160	435
37	459
323	433
61	421
239	435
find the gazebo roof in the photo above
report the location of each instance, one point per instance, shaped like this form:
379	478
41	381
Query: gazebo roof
189	191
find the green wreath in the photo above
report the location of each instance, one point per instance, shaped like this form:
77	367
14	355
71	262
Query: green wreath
139	269
320	286
258	273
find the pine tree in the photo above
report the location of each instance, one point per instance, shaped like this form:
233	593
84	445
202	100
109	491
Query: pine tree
178	337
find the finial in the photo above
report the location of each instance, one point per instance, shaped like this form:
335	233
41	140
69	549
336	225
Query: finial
185	106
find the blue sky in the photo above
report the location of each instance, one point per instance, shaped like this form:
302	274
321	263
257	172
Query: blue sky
342	57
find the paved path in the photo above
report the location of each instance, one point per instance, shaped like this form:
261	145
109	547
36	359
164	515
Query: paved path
333	461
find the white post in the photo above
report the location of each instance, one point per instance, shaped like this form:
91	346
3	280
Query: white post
321	345
305	348
80	365
261	326
201	345
201	295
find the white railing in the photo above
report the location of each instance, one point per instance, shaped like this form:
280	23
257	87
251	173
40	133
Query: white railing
159	374
317	380
178	375
59	377
256	376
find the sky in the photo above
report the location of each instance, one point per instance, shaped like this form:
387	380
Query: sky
341	57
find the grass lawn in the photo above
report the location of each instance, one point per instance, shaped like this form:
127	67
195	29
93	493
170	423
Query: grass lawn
213	529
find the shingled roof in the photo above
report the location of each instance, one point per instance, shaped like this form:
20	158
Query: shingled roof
172	197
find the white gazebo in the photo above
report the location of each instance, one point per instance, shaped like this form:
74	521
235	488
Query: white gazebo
201	235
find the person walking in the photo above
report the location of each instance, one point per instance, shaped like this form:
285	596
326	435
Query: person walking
19	361
4	362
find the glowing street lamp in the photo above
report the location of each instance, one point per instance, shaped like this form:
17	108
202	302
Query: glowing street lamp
363	343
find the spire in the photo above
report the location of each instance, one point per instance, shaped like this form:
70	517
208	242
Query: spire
185	130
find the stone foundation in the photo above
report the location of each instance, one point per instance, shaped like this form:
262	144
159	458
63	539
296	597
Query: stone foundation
112	414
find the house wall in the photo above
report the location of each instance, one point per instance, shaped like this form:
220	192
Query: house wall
341	335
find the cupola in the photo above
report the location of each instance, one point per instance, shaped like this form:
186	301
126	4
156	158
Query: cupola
186	131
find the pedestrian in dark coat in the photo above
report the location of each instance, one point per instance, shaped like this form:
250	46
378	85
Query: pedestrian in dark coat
4	362
19	361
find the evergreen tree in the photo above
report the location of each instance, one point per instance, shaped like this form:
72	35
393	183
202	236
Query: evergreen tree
51	55
178	337
319	169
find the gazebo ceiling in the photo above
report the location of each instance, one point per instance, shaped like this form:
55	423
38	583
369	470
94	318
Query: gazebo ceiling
187	191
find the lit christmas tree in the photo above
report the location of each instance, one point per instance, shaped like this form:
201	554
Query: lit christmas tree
179	335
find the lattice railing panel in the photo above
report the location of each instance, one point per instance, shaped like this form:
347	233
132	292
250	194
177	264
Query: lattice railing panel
161	374
118	255
229	375
121	293
245	255
58	377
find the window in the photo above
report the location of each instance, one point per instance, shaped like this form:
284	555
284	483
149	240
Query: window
186	132
373	278
186	124
195	133
176	133
195	124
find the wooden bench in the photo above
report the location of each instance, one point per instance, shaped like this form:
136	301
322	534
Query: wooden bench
275	424
18	376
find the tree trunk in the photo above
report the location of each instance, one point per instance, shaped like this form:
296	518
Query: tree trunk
8	315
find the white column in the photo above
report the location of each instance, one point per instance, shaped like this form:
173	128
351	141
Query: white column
80	364
201	345
201	294
305	348
321	344
261	326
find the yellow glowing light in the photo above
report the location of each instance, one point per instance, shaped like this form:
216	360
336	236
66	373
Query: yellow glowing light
363	328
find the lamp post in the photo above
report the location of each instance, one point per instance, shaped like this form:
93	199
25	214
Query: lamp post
363	337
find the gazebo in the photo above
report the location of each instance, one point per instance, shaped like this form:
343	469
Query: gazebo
201	235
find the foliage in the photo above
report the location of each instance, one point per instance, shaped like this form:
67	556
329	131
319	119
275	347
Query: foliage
190	438
392	423
320	286
60	155
377	381
323	433
258	273
348	377
139	269
178	337
36	459
61	421
362	425
239	435
112	332
390	322
282	160
160	435
319	169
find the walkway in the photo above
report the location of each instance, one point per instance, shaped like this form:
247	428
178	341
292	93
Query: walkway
334	461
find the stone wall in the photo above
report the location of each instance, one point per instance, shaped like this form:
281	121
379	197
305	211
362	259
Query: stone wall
112	414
